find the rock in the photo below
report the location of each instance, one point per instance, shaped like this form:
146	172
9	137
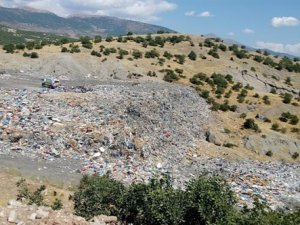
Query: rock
12	218
2	213
106	219
41	214
275	143
14	203
32	216
211	137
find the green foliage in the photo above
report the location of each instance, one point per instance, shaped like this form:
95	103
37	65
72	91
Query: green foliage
57	204
29	197
266	100
208	43
214	53
34	55
97	39
241	54
122	53
64	49
180	59
250	124
258	58
229	145
229	78
170	76
167	55
98	195
295	155
198	78
154	203
269	153
237	86
287	116
275	127
9	48
219	80
223	47
109	39
152	54
192	55
210	201
205	94
287	98
137	54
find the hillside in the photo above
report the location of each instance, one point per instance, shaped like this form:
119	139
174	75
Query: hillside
73	26
134	106
14	36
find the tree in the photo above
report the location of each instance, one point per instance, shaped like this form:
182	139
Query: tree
10	48
137	54
192	55
97	39
210	201
287	98
98	195
250	124
34	55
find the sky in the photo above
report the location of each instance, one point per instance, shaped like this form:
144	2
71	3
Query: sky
273	24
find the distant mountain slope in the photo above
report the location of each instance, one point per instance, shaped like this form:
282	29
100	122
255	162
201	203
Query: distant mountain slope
15	36
73	26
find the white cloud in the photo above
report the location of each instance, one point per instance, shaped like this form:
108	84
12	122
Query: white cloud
231	34
205	14
248	31
293	49
191	13
284	21
134	9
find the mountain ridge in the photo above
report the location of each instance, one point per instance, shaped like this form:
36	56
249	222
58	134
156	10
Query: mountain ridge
49	22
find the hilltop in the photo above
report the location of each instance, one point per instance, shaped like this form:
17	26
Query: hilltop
166	102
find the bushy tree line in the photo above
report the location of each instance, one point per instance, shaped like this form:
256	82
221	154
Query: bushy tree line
206	200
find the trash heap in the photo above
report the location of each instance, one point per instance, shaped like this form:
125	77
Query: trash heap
134	132
127	129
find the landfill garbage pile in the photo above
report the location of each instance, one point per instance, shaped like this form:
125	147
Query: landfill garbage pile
134	132
127	129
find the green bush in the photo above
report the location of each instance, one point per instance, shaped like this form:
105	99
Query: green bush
167	55
98	195
275	127
180	59
152	54
266	100
154	203
29	197
206	200
198	78
137	54
10	48
287	98
170	76
210	201
57	204
250	124
34	55
192	55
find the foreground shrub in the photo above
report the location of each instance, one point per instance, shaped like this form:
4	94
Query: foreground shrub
154	203
206	200
98	195
250	124
210	201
